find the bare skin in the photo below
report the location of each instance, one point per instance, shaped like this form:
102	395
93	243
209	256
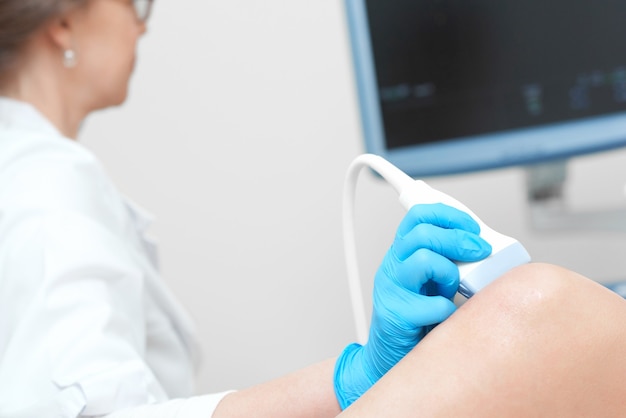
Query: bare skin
540	341
306	393
104	36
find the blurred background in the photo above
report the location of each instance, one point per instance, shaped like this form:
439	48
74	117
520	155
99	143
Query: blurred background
241	123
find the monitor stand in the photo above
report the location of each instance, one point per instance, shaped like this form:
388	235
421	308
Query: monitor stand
549	211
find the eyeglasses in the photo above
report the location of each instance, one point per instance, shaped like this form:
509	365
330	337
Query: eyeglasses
142	9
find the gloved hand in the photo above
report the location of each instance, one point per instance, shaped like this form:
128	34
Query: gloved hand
413	292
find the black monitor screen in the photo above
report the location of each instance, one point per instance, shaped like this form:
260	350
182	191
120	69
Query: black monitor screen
456	68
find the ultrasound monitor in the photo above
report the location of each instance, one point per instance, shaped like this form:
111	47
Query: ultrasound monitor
452	86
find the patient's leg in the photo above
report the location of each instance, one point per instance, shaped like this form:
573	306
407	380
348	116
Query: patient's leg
540	341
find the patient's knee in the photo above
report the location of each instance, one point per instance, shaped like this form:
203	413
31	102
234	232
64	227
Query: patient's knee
537	285
540	297
546	283
523	289
555	332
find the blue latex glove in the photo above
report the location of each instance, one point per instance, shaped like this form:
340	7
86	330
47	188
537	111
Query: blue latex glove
413	292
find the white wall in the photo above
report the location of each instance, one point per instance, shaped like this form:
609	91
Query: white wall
238	131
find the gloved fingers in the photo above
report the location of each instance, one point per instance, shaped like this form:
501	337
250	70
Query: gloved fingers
437	214
407	312
432	310
425	266
455	244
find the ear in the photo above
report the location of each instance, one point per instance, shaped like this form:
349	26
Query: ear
61	30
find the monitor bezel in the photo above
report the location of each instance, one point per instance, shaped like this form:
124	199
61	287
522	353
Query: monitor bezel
514	147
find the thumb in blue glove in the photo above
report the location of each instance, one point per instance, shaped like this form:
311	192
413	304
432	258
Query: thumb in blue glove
413	291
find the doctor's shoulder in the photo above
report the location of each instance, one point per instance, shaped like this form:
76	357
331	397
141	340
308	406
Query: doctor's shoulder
43	174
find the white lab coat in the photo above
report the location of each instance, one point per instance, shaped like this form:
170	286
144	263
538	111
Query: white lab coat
87	327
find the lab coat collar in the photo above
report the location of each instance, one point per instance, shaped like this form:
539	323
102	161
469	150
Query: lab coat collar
15	114
142	218
184	324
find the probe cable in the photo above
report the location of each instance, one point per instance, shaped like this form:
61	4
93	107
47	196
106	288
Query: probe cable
399	180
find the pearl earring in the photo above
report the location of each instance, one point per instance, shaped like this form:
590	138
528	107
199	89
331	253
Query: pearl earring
69	58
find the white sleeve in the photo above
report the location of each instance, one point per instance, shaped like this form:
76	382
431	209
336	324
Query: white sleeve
195	407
